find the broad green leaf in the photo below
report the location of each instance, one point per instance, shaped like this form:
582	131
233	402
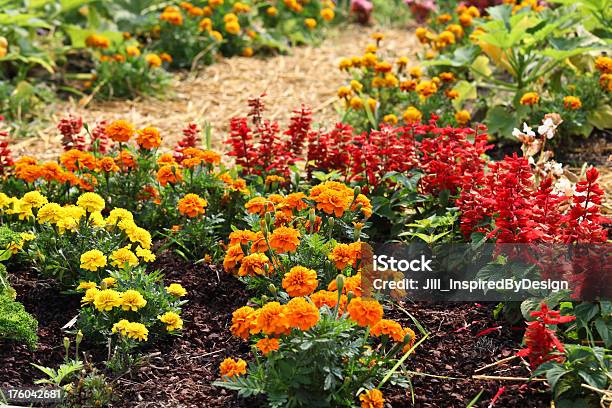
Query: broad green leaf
601	118
481	65
501	121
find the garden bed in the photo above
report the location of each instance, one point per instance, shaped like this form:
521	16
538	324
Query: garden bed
179	371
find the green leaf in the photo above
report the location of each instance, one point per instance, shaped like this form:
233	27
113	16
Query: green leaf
501	121
601	117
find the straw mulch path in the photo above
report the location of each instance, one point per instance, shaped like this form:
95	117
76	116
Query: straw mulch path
309	75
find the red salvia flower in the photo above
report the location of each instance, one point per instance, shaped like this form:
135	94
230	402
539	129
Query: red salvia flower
6	159
191	138
70	128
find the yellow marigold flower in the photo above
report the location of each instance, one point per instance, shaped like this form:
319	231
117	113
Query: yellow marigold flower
109	282
372	104
121	327
247	52
86	285
175	289
455	29
345	64
604	64
192	205
153	60
426	88
356	103
530	98
301	314
137	331
572	102
300	281
232	27
284	239
217	35
372	399
93	260
205	24
34	199
91	202
465	19
172	320
119	214
422	34
123	256
120	131
344	92
241	8
390	119
145	254
132	300
445	39
444	18
140	236
416	72
148	138
412	115
310	23
232	368
172	16
463	117
50	213
106	299
256	264
271	319
402	62
272	11
132	51
327	14
365	312
96	219
266	345
90	296
369	60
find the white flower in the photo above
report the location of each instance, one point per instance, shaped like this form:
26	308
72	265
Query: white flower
527	130
564	186
548	128
553	167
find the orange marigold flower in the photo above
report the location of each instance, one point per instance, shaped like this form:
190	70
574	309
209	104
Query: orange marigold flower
233	255
153	60
120	131
192	205
255	264
267	345
344	255
365	312
408	332
259	205
108	165
125	160
604	64
333	202
301	314
363	203
148	138
166	159
52	171
572	102
328	298
243	320
284	239
300	281
351	284
169	174
463	117
372	399
389	328
241	237
259	243
28	172
530	98
232	368
272	319
74	160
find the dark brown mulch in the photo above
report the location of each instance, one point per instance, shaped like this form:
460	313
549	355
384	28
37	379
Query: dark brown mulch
180	371
456	348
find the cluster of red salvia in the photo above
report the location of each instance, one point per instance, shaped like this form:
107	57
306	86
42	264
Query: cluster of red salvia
73	138
6	158
446	156
525	213
450	160
262	149
191	138
541	342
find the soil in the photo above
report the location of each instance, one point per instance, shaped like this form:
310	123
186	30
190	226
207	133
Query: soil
179	371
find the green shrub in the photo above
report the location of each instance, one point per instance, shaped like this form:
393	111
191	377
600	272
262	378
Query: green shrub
16	324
